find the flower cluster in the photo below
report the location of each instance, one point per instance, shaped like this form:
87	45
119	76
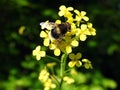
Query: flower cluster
44	76
80	29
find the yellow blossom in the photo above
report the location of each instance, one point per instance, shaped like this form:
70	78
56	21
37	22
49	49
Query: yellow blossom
65	11
44	77
49	84
75	60
87	64
84	31
91	29
54	47
46	37
38	53
81	15
68	80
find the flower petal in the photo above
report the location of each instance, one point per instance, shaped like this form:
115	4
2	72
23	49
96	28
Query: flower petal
43	34
52	46
84	60
85	18
83	26
62	7
72	56
83	37
38	57
42	53
71	63
92	31
78	63
89	25
61	13
74	43
78	55
70	8
57	52
68	49
83	13
34	52
77	12
38	48
46	42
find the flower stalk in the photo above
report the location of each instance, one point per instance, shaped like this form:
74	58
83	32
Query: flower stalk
62	68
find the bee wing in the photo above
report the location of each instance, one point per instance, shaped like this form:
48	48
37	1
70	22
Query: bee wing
47	25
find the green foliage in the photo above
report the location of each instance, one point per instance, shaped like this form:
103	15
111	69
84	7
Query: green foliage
87	81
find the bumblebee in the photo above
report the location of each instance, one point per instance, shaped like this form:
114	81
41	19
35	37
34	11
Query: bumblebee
57	30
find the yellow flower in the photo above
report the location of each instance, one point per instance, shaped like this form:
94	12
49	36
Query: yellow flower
46	37
68	80
49	84
91	29
75	60
81	15
54	47
87	64
38	53
65	11
84	31
44	75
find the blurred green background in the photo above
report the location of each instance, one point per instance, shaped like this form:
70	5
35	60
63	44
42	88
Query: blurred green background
19	35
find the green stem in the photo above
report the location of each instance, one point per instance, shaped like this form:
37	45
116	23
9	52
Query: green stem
52	58
62	68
